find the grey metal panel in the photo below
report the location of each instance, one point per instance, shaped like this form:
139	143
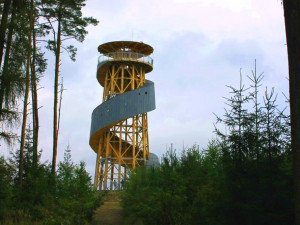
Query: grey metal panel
123	106
153	161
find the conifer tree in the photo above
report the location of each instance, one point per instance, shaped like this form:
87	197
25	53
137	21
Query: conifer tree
26	95
66	22
3	26
12	74
37	68
254	127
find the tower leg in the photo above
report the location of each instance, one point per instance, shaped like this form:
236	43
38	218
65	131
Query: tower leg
112	182
98	162
101	177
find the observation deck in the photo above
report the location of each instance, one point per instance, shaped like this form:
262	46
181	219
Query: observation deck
120	51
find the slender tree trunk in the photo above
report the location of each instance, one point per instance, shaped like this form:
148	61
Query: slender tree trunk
55	115
23	131
1	9
269	132
3	27
292	26
35	116
256	83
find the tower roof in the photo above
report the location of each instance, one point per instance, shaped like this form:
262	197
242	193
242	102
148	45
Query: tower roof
131	46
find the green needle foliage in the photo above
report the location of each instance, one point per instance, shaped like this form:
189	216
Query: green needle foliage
183	190
29	190
256	148
6	188
72	201
76	197
243	177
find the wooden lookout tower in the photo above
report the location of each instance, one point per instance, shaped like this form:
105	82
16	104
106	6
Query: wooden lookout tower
119	127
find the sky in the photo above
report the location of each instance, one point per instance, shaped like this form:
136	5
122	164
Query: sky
199	48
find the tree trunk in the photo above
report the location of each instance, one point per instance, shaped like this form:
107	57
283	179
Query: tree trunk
35	115
3	27
292	26
25	111
55	116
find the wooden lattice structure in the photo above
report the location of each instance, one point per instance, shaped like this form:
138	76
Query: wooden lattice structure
119	132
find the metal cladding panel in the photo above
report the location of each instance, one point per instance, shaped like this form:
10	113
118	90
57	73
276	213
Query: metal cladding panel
123	106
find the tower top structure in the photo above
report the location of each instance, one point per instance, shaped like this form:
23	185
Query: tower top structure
131	52
125	46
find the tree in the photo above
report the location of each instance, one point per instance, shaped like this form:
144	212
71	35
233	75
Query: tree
76	197
182	190
245	177
257	187
292	26
6	189
12	75
66	22
72	202
26	95
3	27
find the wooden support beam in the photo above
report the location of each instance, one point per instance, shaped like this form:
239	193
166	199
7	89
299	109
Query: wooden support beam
106	159
125	145
96	180
112	176
122	79
133	143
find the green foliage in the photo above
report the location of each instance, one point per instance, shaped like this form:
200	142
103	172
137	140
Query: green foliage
13	70
41	197
243	177
75	194
65	22
176	192
255	150
67	199
6	189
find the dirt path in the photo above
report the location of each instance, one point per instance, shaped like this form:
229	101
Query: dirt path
110	213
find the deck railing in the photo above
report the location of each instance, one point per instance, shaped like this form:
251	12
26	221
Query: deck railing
115	56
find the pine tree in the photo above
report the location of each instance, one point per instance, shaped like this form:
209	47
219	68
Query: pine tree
12	74
261	131
66	22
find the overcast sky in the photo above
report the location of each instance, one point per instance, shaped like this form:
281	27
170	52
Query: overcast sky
199	48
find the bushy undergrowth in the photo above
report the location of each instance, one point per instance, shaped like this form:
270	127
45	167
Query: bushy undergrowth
181	191
205	187
68	198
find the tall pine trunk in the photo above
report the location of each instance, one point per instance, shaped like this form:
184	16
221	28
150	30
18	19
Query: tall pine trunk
25	106
35	115
292	26
55	115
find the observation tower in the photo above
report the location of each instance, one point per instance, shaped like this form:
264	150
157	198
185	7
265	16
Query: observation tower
119	127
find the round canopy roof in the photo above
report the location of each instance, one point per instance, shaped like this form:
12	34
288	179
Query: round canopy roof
131	46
